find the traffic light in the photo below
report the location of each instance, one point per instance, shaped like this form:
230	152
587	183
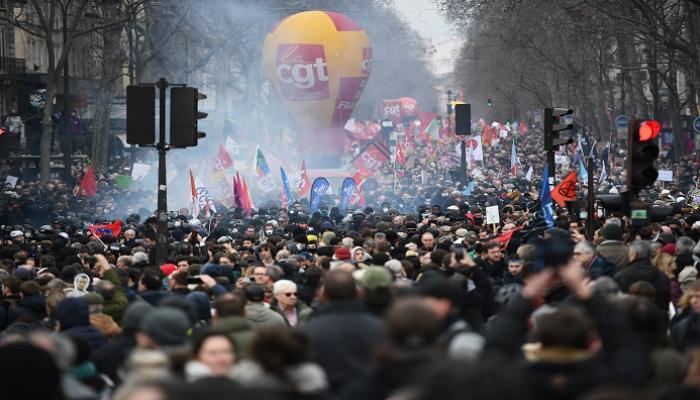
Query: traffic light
489	102
463	119
140	115
553	124
642	152
184	115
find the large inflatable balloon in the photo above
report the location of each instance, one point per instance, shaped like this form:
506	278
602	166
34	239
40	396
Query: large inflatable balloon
319	63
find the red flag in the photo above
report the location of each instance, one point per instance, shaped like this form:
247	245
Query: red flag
304	182
223	159
425	119
88	184
113	229
565	190
504	238
400	158
237	191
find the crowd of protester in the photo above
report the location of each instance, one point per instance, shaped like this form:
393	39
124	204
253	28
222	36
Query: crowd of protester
409	296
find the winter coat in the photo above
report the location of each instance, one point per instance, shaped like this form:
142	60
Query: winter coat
115	306
154	297
643	270
614	251
110	357
563	372
88	333
685	334
388	377
29	309
261	316
303	312
601	267
343	337
240	330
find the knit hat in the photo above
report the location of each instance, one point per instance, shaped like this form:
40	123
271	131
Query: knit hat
612	231
461	232
669	249
71	312
342	254
133	316
168	269
376	277
167	326
437	286
327	237
254	293
688	275
23	273
200	302
16	233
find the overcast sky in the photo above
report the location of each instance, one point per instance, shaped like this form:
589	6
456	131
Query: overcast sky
424	17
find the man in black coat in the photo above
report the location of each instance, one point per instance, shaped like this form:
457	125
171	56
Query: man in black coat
32	304
641	269
342	334
110	357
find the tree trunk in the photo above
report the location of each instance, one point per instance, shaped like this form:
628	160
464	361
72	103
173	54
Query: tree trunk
111	69
45	145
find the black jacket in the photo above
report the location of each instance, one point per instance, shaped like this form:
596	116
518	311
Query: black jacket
564	373
685	334
110	357
343	337
153	297
643	270
29	309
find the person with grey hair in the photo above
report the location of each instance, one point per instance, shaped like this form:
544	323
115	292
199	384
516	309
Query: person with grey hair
287	304
684	253
586	255
640	268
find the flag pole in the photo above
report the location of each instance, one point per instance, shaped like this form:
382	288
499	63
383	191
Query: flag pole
591	199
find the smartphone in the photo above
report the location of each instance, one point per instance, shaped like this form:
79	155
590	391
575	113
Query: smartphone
251	279
194	280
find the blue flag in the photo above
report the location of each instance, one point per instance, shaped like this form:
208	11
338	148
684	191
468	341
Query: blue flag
318	189
287	190
348	190
582	172
546	198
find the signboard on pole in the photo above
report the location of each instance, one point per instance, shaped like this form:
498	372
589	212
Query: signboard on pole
665	176
622	121
492	215
696	124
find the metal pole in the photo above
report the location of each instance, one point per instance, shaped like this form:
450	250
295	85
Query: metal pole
463	161
591	199
162	214
552	166
67	145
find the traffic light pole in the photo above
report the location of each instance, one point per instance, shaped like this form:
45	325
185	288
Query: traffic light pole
162	212
552	166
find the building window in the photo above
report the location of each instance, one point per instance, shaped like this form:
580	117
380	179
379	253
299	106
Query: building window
3	4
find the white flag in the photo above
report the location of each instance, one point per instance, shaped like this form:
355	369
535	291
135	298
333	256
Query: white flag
350	125
603	175
528	176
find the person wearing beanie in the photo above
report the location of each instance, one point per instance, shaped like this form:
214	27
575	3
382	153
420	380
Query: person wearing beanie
200	303
163	327
72	317
342	254
29	372
257	312
457	338
612	248
110	357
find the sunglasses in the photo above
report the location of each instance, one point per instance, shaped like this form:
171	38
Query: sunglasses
290	294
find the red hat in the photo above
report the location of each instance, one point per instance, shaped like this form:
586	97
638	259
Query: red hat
168	269
669	249
342	254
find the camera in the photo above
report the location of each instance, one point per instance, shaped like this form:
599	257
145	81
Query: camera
194	280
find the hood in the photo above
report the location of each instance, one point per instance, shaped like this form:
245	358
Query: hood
36	303
257	312
232	324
